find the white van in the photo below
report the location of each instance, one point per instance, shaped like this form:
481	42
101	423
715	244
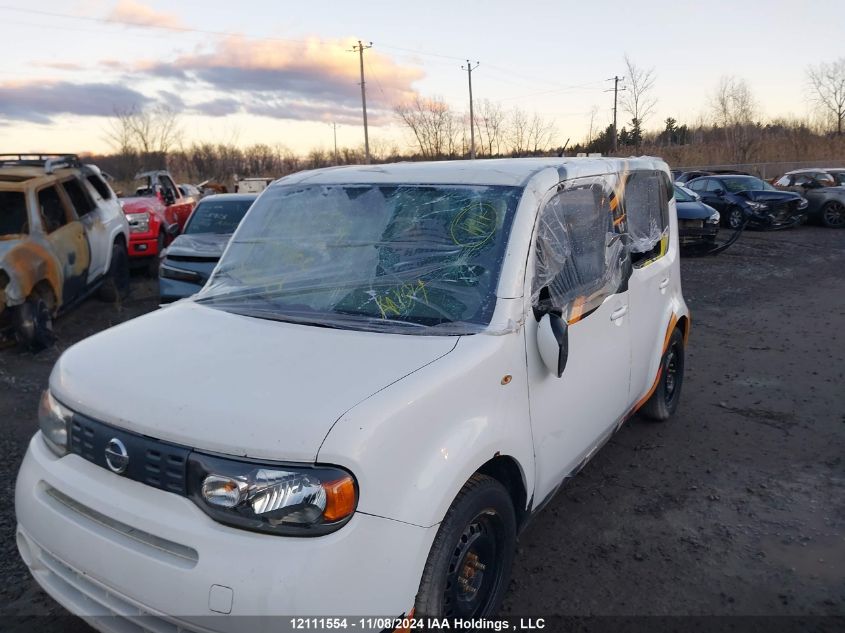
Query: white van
390	369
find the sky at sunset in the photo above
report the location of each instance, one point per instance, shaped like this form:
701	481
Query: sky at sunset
282	72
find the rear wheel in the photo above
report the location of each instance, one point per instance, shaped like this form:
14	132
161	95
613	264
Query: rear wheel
664	401
34	322
468	569
734	217
116	284
833	215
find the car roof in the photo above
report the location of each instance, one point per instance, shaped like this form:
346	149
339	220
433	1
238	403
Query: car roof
234	197
809	170
499	171
26	177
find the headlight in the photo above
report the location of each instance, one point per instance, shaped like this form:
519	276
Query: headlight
803	204
276	499
139	222
757	206
172	272
714	218
54	420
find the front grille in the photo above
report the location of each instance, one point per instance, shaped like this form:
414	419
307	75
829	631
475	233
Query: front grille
152	462
194	258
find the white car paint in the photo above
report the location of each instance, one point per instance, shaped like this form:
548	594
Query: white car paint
412	417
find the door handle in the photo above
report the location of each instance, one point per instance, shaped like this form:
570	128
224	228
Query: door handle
663	283
618	313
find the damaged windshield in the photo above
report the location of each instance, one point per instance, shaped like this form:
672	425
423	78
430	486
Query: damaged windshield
419	259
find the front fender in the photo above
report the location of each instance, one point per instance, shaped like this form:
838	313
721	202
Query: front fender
27	265
414	445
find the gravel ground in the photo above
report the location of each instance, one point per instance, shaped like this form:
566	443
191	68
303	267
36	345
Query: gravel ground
735	507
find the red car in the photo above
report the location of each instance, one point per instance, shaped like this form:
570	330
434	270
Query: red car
156	214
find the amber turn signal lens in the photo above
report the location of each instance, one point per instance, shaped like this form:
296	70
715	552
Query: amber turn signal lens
340	499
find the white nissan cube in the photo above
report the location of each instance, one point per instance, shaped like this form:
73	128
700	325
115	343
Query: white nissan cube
390	370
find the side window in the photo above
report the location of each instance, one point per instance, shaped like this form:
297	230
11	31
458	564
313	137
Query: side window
14	219
100	186
579	258
167	185
714	185
697	185
79	198
53	212
646	204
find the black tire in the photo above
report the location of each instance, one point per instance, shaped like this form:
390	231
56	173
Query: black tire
833	215
33	322
152	266
116	284
734	217
664	401
469	565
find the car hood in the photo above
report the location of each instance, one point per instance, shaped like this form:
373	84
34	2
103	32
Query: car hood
199	245
139	204
694	210
770	196
232	384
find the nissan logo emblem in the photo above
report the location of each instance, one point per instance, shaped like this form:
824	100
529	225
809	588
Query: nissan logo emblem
117	457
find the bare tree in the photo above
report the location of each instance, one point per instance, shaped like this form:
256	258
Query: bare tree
490	121
150	132
638	98
734	109
827	83
517	133
432	124
540	134
593	113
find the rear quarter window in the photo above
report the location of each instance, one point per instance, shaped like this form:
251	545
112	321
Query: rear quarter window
14	219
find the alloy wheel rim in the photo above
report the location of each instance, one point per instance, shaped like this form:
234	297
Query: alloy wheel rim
735	218
834	214
671	374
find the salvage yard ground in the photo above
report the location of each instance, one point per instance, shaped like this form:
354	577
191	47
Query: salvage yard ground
734	507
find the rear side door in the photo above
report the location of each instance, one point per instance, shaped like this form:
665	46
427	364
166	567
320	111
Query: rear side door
710	195
67	240
579	271
94	222
652	282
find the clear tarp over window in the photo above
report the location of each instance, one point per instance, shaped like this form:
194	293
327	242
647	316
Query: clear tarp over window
415	259
644	200
580	257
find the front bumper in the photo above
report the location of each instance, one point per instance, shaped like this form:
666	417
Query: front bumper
143	245
173	289
109	549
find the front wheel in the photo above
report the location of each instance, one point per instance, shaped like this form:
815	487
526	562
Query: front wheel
469	566
833	215
664	401
34	323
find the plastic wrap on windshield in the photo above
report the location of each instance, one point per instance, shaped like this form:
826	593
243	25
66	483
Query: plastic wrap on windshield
417	259
580	258
644	200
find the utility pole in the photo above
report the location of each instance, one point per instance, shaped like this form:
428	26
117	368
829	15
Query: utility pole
469	68
334	126
615	79
360	50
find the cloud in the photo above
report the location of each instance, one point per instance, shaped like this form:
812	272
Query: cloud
39	102
140	14
315	80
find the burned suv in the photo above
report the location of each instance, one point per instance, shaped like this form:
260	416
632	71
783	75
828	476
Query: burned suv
63	235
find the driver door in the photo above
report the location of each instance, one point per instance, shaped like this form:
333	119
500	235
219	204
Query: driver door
578	273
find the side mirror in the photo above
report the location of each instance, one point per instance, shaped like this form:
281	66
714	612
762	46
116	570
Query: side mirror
173	230
553	342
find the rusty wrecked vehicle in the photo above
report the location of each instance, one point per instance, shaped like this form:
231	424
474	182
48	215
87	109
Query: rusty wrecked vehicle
63	236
